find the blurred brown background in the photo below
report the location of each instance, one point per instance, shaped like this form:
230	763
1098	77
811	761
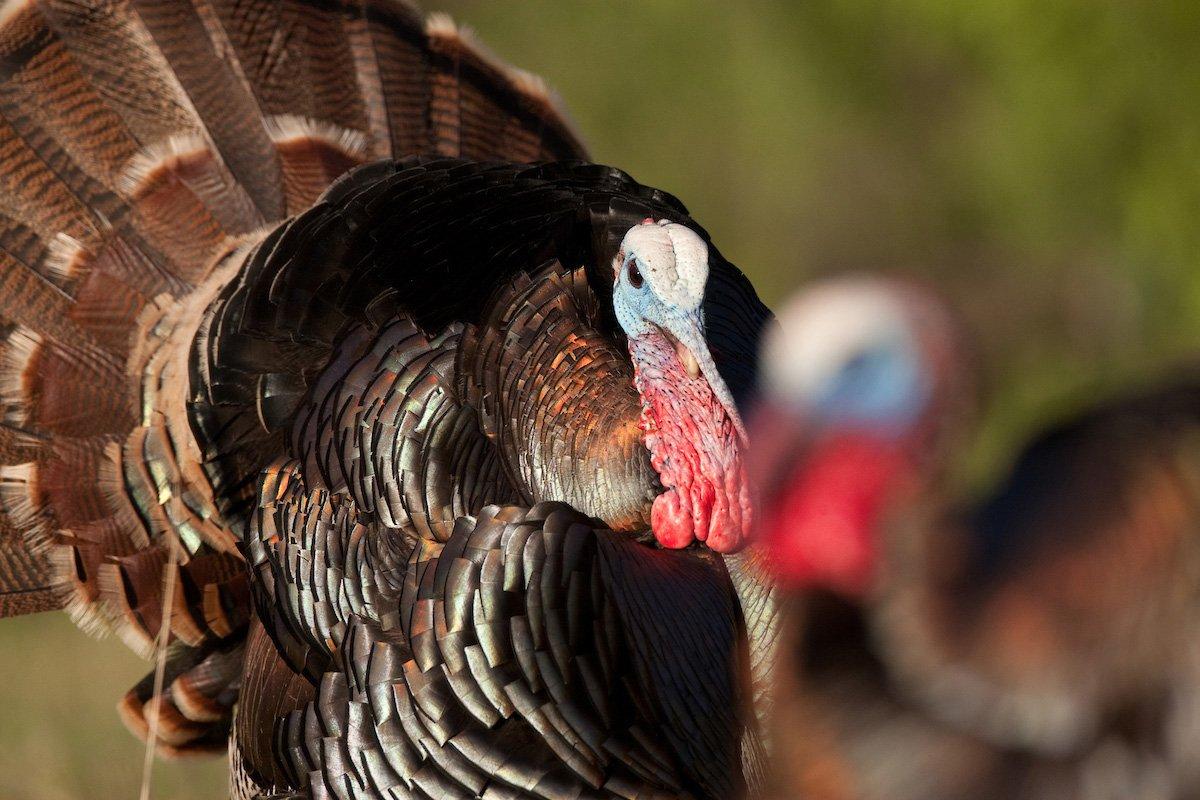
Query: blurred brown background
1039	163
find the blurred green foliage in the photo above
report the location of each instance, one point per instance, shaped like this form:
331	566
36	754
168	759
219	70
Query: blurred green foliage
1036	162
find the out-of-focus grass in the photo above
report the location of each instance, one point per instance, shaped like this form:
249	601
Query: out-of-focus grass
1037	162
60	737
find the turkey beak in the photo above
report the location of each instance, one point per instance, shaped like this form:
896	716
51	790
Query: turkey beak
687	334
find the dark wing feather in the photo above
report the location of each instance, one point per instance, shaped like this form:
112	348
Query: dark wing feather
683	624
270	690
557	398
535	656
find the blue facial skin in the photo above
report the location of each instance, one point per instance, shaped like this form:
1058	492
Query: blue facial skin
882	389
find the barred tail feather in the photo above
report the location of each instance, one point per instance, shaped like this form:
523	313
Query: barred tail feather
146	147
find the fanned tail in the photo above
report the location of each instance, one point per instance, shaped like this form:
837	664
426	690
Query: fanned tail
146	146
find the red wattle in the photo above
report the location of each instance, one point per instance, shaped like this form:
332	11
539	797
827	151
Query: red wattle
695	449
671	523
822	526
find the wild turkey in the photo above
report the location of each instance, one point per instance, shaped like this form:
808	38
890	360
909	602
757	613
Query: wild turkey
1040	643
285	301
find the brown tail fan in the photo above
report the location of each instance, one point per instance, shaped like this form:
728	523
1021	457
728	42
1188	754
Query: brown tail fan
145	147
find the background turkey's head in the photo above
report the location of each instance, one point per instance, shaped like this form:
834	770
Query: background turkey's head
860	382
691	424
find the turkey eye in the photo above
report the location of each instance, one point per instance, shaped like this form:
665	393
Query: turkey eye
635	275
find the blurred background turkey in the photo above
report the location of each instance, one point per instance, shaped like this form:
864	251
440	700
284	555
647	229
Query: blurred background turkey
1038	164
1038	642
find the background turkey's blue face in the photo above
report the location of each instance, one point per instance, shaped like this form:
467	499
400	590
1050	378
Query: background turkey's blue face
847	378
847	356
882	386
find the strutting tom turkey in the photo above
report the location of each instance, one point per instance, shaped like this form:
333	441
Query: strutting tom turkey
330	364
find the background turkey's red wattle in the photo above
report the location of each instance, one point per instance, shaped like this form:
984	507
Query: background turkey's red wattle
823	523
